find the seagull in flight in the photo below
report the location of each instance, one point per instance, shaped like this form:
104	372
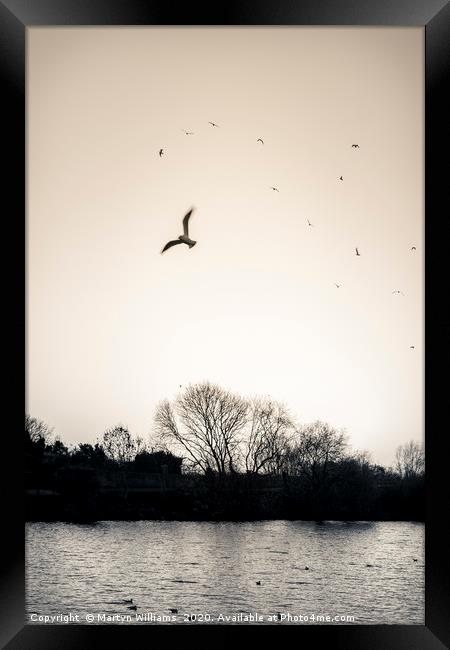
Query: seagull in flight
184	238
161	151
357	252
275	189
309	223
341	178
213	124
337	285
400	292
260	140
355	146
188	132
413	248
412	347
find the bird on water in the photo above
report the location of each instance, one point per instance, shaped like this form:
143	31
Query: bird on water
184	238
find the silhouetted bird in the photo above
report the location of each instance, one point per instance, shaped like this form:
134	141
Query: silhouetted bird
355	146
413	248
309	223
369	565
161	151
337	285
412	347
134	607
212	124
275	189
400	292
260	140
414	559
258	582
184	238
130	600
306	568
173	610
357	252
341	178
189	132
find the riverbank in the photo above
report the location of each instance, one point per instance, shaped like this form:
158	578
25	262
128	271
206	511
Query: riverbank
234	501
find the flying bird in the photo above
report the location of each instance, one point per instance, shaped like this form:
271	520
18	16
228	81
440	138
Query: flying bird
400	292
412	347
275	189
357	252
161	151
337	285
260	140
355	146
413	248
309	223
213	124
173	610
189	132
341	178
184	238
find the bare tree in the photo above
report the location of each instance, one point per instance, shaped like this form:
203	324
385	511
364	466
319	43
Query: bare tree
119	445
205	422
319	446
37	430
270	427
410	460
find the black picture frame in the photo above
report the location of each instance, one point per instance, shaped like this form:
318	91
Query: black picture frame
434	16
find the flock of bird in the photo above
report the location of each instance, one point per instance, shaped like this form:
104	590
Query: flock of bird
185	239
174	610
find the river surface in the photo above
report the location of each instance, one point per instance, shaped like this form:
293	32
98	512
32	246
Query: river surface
372	571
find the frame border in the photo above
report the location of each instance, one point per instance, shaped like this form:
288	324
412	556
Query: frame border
434	15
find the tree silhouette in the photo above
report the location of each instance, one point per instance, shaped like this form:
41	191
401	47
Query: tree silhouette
119	445
410	460
316	450
267	441
205	421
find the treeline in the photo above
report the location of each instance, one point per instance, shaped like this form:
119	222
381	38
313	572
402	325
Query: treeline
217	455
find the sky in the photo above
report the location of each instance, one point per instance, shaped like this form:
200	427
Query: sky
113	326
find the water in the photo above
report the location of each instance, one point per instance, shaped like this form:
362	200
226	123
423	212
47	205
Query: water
210	570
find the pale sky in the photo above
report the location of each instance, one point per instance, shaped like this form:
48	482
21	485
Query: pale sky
113	326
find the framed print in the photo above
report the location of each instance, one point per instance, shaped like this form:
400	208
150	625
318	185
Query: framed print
233	324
